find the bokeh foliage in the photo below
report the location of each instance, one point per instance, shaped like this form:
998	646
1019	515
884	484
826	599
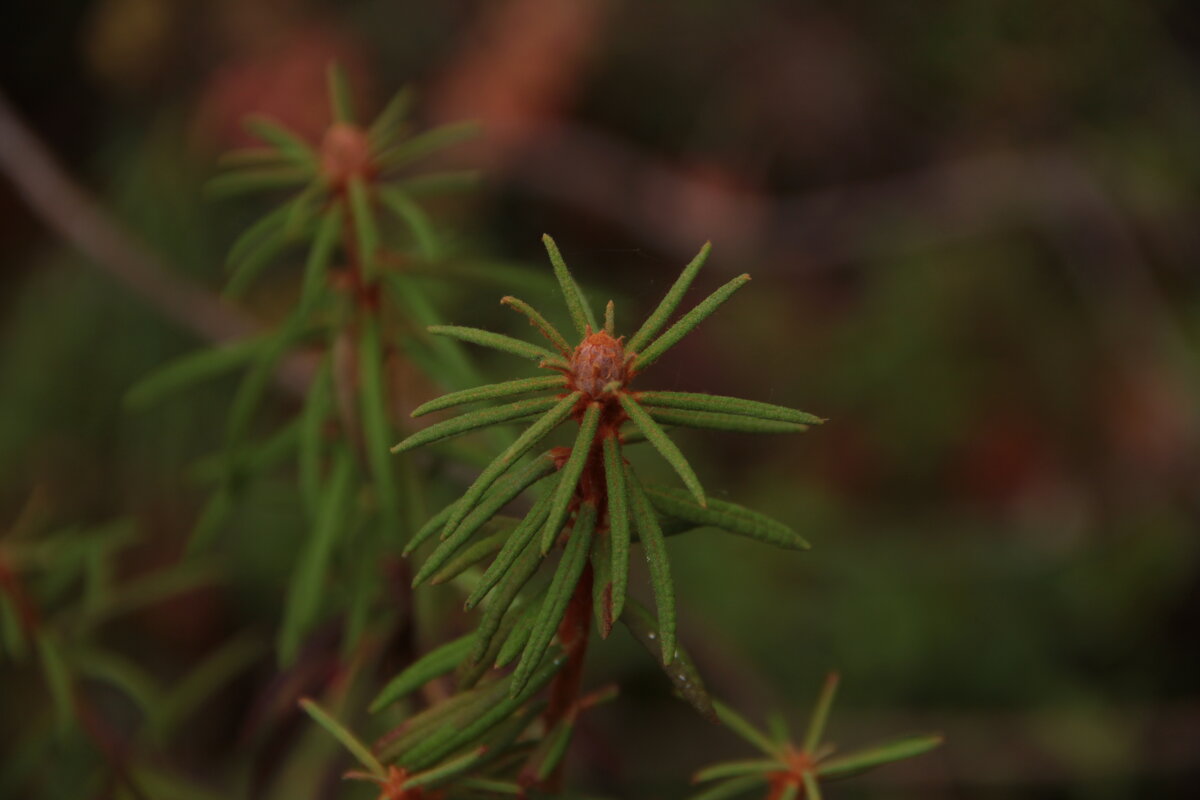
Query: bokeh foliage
1002	501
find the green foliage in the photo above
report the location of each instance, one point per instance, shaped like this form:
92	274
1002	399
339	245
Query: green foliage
594	460
59	591
491	712
348	739
342	186
799	768
682	672
1006	340
305	593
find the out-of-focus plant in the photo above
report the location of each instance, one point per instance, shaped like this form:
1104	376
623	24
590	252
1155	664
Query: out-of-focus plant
506	726
356	209
60	589
791	769
591	505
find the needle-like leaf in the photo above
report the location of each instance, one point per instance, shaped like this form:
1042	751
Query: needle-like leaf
504	491
812	790
720	404
436	662
267	227
732	769
477	551
663	444
562	586
471	670
256	258
564	492
425	143
248	459
610	318
444	772
288	143
778	728
11	628
194	688
58	680
496	341
682	673
212	518
231	184
517	540
450	713
869	758
306	206
340	101
601	558
510	585
145	591
655	549
305	591
670	302
192	368
522	627
384	129
577	305
492	785
501	739
411	214
316	407
684	326
618	525
450	545
410	296
532	435
553	747
254	385
359	750
491	391
722	422
738	724
432	526
539	322
366	230
431	750
727	516
731	788
473	420
320	255
816	723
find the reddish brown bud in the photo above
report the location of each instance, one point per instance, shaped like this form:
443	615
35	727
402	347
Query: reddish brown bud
598	361
345	153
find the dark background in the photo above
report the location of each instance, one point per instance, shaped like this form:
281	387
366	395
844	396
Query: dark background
973	232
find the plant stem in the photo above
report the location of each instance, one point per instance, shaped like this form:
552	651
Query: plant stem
573	634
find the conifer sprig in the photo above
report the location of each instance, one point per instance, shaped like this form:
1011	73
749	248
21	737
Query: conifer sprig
351	202
354	164
795	770
453	745
597	503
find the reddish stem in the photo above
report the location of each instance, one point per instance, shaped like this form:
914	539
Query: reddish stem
365	294
573	634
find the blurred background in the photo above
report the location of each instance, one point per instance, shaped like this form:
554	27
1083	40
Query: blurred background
973	234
